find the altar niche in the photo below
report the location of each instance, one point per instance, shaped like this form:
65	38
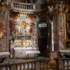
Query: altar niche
23	33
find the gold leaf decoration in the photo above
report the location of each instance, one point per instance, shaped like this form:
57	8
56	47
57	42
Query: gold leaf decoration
23	25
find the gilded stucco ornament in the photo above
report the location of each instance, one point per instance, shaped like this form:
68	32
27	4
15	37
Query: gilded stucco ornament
11	0
23	25
9	6
3	2
3	5
3	25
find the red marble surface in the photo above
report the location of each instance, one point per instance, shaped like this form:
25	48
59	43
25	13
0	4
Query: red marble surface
14	15
12	26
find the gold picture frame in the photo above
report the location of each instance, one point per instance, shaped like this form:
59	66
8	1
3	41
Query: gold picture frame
40	33
66	27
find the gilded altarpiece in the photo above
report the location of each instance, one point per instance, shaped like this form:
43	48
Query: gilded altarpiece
23	34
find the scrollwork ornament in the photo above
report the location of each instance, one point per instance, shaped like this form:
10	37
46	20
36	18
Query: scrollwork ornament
3	5
3	22
3	26
9	6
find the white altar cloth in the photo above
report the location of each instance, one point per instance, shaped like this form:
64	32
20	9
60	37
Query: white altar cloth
4	53
32	52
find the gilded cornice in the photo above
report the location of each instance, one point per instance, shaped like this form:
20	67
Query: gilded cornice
23	12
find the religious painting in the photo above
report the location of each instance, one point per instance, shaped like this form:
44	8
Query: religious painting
67	41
